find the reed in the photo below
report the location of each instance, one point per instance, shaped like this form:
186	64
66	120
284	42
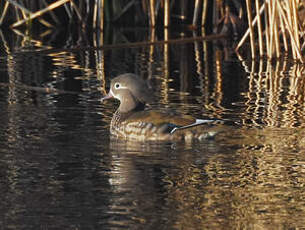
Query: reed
40	12
5	7
251	28
282	29
259	28
274	26
152	15
166	13
24	11
95	10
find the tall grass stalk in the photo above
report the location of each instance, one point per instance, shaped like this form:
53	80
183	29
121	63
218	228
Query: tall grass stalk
152	14
259	28
251	28
166	13
282	26
40	12
4	12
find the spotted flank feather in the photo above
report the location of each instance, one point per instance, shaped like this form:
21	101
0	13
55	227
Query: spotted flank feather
149	125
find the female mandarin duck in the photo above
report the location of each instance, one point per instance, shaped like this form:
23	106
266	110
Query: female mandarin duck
132	122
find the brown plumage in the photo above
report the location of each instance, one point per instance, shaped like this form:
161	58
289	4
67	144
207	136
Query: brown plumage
132	122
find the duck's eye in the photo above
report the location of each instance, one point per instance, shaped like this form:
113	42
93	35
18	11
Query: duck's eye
117	85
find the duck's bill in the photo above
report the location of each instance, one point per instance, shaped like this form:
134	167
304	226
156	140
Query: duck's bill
108	96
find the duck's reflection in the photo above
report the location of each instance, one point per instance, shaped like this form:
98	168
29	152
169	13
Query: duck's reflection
202	184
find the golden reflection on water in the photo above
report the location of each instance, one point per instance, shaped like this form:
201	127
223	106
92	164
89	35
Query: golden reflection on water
252	178
276	94
260	185
218	95
100	60
166	66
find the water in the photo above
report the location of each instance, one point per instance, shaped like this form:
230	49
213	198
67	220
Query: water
59	170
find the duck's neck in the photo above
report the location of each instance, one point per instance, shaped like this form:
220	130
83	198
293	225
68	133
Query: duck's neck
131	107
121	114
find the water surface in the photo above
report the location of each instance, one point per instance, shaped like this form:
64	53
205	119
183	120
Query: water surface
59	169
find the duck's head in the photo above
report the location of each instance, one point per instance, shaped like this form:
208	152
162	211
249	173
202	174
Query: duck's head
131	90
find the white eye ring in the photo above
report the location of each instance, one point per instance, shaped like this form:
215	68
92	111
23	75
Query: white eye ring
117	85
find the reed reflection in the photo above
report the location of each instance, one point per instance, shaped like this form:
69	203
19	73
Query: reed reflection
100	60
252	176
276	91
204	186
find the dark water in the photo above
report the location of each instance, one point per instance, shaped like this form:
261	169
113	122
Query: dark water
59	170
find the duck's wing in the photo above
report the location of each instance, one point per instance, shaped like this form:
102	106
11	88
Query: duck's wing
167	122
155	125
196	123
152	122
159	118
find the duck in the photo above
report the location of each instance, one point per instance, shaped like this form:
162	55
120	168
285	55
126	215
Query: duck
134	120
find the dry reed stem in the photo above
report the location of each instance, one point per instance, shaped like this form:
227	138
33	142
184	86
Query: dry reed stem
260	31
5	44
16	12
78	13
152	13
241	42
196	12
283	30
94	14
267	26
40	12
271	18
25	11
289	23
56	20
68	11
277	20
4	12
98	18
17	5
42	21
276	33
251	28
101	23
166	13
295	21
293	42
204	12
303	4
274	40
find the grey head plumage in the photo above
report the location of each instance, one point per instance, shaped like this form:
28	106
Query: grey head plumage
131	90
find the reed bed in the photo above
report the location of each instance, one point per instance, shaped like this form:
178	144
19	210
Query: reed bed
277	26
93	13
274	26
